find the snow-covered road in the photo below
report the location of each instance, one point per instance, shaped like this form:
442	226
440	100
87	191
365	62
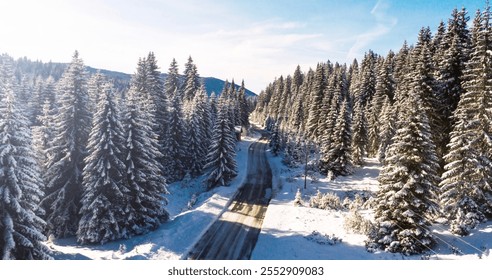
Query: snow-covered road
233	236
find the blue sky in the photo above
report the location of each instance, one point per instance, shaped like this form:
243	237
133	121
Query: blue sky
254	40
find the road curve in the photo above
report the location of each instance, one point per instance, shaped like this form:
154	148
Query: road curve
233	236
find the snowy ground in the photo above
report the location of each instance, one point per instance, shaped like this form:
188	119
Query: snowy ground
173	239
304	233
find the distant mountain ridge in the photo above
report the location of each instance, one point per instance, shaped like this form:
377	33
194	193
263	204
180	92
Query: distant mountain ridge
25	66
212	84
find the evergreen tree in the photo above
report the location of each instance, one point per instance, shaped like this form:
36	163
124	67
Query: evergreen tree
64	168
317	93
339	157
454	54
171	85
326	141
408	183
197	137
154	87
243	106
466	192
94	89
385	87
387	129
275	140
176	147
192	80
359	134
221	157
105	211
43	134
143	172
21	227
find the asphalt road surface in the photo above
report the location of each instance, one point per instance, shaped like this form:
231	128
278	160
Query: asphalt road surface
234	235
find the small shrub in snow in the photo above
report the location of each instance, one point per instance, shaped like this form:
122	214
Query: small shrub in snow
298	199
357	203
314	202
328	201
356	223
323	239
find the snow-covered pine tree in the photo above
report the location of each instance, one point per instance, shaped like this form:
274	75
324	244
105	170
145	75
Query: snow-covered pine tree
21	227
367	80
177	146
197	137
205	106
385	87
68	149
243	106
453	55
325	141
171	84
466	192
423	69
221	157
144	173
387	129
359	133
105	204
43	134
317	93
214	110
94	88
408	183
339	158
296	118
275	140
154	86
191	83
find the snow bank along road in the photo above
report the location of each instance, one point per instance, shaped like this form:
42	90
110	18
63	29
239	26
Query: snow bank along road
233	236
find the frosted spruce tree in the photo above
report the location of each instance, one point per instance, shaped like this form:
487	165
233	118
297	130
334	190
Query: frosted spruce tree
275	140
466	192
176	147
106	212
198	138
339	159
451	56
317	93
144	173
155	88
21	227
221	157
243	106
68	148
359	133
408	183
191	83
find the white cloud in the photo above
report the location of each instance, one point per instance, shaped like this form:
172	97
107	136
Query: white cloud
384	24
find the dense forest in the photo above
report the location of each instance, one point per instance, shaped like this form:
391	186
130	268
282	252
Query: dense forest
85	155
424	111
